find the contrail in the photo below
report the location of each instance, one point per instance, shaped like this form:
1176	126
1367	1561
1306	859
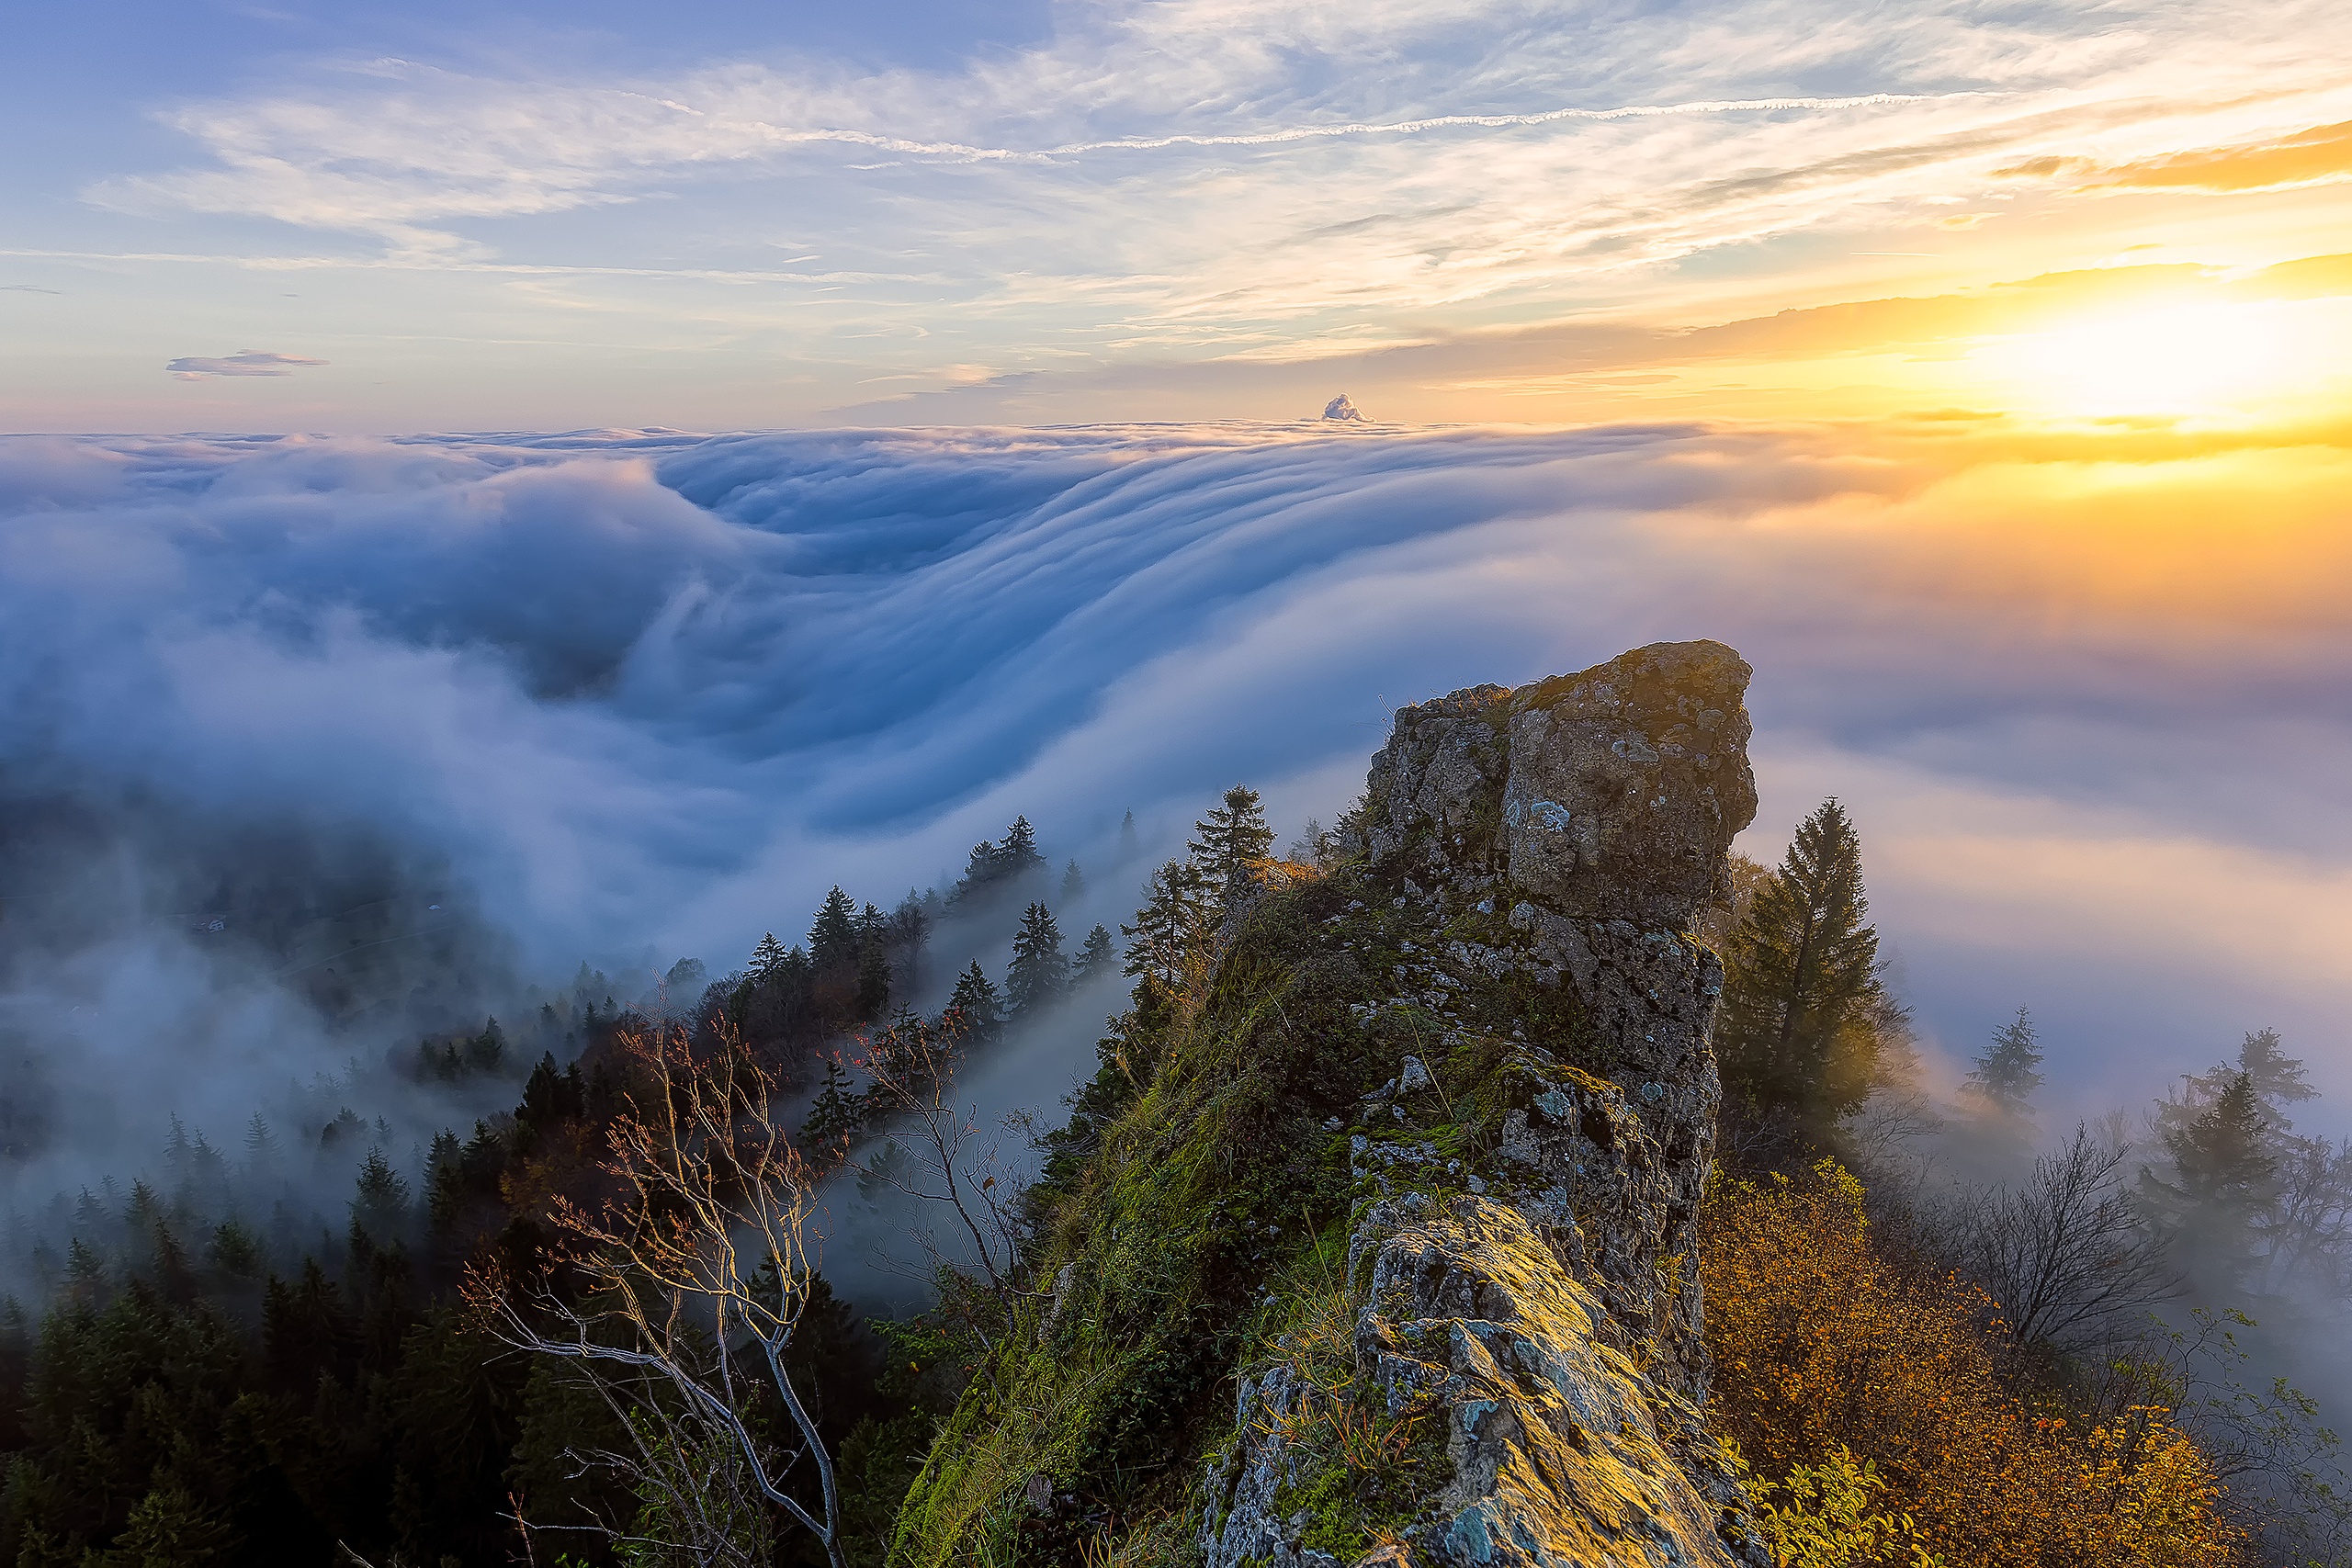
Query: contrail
957	150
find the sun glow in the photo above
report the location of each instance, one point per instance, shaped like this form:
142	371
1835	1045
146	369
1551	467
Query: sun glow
2182	361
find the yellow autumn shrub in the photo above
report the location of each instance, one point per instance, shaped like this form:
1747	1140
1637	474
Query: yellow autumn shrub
1826	1355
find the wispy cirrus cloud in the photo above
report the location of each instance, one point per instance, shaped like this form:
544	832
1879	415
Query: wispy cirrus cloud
1198	175
2321	155
245	362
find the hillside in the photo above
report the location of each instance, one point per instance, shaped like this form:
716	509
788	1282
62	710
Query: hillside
1420	1159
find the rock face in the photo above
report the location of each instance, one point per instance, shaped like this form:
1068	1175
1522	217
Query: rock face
1526	1308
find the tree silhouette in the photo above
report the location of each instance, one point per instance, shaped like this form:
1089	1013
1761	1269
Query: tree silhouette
1039	974
1800	980
2007	1073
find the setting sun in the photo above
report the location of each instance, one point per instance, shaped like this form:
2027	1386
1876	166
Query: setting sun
2184	359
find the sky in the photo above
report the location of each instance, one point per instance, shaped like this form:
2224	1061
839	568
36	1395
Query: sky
375	219
903	417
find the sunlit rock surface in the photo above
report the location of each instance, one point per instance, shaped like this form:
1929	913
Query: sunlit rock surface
1526	1314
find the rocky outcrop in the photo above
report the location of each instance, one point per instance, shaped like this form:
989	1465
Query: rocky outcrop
1525	1346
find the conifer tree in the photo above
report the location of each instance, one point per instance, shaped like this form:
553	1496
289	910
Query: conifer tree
1170	936
835	1115
975	1005
2007	1073
1801	980
1018	853
873	980
170	1529
1231	836
379	1211
1039	973
832	935
1073	886
1095	958
766	954
1130	843
2217	1197
910	930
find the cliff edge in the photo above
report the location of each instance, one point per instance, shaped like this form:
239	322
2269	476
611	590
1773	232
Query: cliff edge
1377	1246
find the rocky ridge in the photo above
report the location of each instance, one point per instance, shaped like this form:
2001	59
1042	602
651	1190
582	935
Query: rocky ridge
1378	1242
1537	1301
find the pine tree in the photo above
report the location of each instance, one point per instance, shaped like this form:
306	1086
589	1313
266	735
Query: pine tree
1039	973
170	1529
1094	959
2007	1074
445	1192
1073	886
2223	1188
832	936
380	1208
873	979
2277	1078
261	1149
910	930
835	1116
1170	936
1801	980
1229	839
975	1005
1018	853
765	958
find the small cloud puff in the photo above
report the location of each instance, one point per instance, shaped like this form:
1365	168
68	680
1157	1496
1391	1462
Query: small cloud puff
244	362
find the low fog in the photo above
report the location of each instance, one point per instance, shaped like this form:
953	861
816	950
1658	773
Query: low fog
310	747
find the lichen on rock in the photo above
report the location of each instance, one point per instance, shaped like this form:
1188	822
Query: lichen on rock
1420	1172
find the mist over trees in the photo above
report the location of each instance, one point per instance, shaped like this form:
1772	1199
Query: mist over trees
343	1392
262	1387
2180	1261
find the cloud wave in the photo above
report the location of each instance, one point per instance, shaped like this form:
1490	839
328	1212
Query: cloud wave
649	691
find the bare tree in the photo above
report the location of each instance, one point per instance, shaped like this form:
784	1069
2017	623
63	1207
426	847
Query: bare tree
2063	1251
678	1299
939	1152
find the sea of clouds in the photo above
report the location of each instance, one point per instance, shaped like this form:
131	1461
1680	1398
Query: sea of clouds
628	697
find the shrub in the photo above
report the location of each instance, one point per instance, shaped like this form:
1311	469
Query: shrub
1828	1357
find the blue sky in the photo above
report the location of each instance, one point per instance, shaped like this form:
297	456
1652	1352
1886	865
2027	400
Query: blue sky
720	217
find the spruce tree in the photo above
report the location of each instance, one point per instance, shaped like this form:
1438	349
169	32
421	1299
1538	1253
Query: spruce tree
873	980
832	935
1801	980
2007	1073
1073	886
2219	1194
1018	853
1170	936
1095	958
1038	974
1130	843
1230	837
975	1007
910	930
765	956
835	1115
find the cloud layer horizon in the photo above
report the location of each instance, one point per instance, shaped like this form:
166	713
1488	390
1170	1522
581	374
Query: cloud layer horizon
652	690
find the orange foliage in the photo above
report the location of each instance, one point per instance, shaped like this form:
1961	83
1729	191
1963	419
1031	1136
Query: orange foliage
1819	1342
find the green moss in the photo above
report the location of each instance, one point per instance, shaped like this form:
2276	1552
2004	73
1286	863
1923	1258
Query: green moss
1203	1214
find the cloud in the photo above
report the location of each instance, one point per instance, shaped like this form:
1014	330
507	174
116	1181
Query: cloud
25	289
2321	155
651	694
1189	174
244	362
